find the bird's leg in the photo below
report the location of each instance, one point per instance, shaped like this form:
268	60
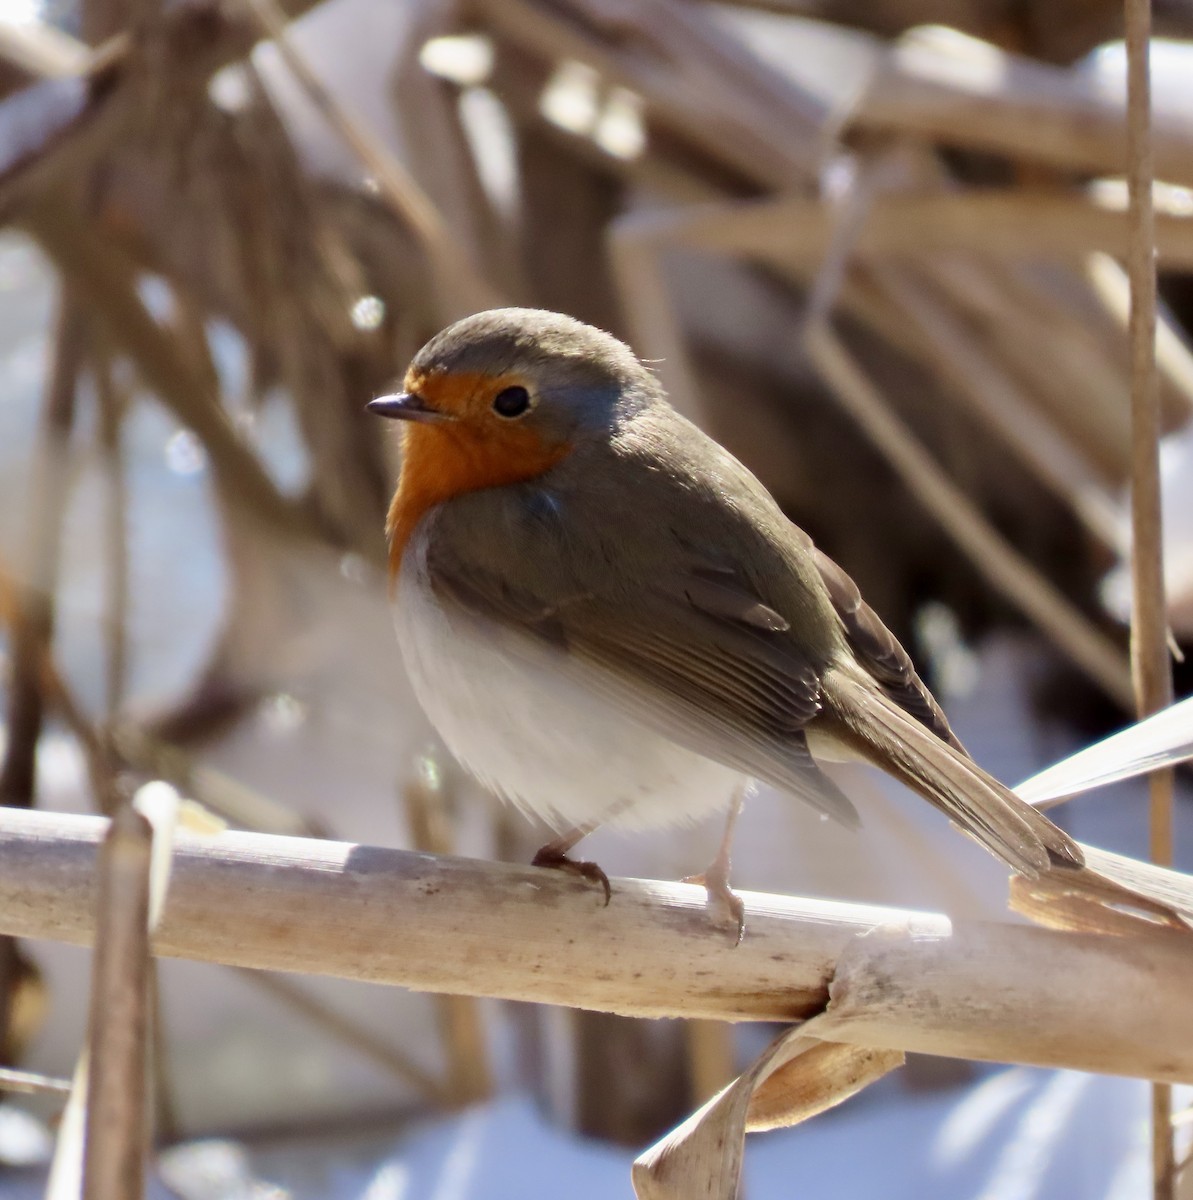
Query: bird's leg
715	877
554	855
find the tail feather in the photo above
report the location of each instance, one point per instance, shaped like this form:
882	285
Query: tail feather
989	812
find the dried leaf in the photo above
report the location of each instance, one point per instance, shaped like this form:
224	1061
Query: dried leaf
795	1078
1159	741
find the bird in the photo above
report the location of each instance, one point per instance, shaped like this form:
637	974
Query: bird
610	621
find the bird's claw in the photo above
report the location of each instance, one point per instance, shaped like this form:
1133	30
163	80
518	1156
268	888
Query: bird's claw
721	896
553	860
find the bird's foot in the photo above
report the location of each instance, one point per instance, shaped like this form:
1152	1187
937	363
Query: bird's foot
722	899
555	859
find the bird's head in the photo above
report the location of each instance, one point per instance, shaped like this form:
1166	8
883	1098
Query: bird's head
502	397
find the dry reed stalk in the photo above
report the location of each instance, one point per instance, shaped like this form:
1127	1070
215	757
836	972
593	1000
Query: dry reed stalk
1161	740
231	799
334	1024
917	982
461	1025
31	1083
1002	565
32	603
111	414
636	257
42	51
956	90
116	1138
436	147
1150	665
880	169
698	81
979	379
791	231
105	281
462	289
113	405
710	1053
1044	341
518	79
1174	359
33	613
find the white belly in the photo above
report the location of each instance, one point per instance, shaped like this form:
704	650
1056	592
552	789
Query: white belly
520	720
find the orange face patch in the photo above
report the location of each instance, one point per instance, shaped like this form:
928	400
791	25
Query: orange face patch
474	449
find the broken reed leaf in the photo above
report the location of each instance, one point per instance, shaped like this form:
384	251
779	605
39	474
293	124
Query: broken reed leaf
66	1167
1112	894
822	1077
159	804
796	1077
1162	740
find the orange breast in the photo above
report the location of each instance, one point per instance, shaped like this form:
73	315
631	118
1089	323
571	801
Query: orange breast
475	451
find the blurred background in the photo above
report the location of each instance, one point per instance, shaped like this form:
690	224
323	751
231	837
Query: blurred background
227	224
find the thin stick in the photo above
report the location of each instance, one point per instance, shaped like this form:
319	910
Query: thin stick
1022	224
463	290
461	1025
32	605
105	280
33	616
980	379
32	1084
115	535
384	1054
990	553
1150	666
112	407
116	1137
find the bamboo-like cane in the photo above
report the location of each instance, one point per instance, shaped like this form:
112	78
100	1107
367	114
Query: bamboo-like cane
1150	666
896	979
116	1137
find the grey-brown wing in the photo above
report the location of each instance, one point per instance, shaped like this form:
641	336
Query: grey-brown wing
688	643
879	651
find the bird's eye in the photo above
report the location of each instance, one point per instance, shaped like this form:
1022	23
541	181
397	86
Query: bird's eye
511	402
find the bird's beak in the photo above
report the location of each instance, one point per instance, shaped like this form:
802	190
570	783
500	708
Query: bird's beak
406	406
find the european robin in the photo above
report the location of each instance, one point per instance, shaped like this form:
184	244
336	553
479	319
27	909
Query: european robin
608	619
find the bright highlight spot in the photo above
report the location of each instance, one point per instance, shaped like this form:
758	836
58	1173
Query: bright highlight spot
368	312
185	454
283	713
620	130
20	12
570	98
466	60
